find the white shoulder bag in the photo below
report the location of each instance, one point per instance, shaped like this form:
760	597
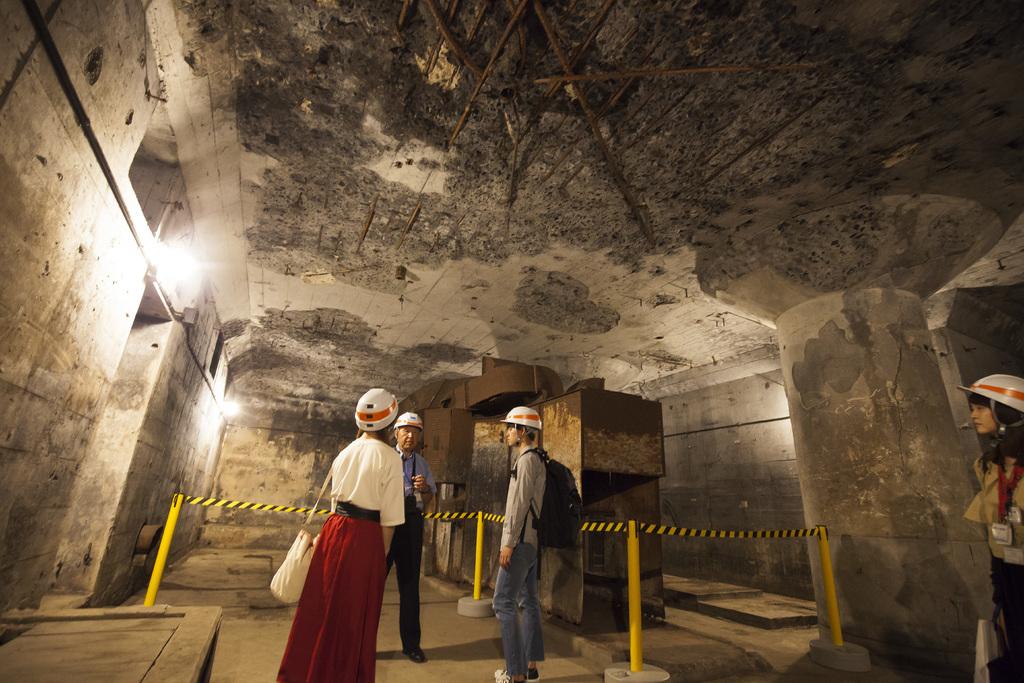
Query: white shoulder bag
287	583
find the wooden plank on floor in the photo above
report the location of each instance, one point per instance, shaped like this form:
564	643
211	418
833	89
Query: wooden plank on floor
82	657
93	613
186	653
109	627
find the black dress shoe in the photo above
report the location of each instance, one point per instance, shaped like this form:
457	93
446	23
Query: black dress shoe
415	654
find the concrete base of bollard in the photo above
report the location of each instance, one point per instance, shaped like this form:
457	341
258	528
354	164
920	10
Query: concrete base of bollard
620	673
848	657
468	607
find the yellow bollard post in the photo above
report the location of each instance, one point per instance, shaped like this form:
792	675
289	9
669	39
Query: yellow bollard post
636	640
479	567
472	605
164	550
634	669
830	586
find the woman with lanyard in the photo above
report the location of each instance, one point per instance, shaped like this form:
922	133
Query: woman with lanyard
997	410
334	634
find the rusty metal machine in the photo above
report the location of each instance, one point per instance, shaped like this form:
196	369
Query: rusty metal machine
611	441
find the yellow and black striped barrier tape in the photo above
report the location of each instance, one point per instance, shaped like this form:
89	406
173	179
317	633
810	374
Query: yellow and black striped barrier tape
229	504
663	530
589	527
452	516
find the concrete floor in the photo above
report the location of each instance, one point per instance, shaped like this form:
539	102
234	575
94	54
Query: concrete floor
699	647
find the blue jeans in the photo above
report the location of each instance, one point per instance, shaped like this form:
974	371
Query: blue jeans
521	635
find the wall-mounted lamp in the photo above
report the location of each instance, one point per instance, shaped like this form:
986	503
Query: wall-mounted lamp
229	408
174	266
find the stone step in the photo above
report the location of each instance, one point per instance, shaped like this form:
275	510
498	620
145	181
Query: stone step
685	592
741	604
766	611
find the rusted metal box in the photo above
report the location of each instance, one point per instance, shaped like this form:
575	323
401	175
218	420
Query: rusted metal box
448	443
610	431
613	444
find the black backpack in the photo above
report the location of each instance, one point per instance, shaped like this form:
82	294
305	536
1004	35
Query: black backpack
558	525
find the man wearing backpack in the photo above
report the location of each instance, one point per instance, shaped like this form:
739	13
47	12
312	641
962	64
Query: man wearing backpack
517	577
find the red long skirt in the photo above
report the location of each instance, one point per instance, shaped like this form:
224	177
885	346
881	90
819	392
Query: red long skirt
334	634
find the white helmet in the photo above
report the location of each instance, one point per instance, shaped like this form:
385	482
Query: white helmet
376	410
409	420
526	417
1007	390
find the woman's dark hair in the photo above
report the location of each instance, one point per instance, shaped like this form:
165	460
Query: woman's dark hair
1010	446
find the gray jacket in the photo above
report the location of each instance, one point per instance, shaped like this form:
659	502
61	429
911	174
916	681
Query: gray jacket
525	486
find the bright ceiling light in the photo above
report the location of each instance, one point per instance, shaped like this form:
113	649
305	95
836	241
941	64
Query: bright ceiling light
174	266
230	408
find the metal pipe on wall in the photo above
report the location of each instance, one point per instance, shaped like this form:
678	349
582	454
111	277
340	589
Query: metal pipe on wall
61	72
68	87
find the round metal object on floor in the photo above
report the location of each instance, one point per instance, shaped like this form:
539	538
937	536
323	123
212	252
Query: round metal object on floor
468	607
848	657
620	673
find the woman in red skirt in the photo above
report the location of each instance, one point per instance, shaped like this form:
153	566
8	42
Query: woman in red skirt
334	634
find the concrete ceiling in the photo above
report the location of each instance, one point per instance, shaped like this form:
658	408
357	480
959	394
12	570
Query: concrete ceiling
894	159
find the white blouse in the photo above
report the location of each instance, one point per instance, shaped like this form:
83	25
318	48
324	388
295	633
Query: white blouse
368	473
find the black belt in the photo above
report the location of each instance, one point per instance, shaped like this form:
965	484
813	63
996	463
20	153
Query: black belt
355	512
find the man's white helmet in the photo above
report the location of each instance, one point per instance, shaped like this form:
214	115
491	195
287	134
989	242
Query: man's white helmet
376	410
1005	389
521	415
409	420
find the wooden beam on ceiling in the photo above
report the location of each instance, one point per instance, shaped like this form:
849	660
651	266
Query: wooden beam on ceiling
453	7
478	21
649	127
610	102
404	14
662	73
450	38
595	27
528	155
366	225
636	208
409	223
517	15
521	31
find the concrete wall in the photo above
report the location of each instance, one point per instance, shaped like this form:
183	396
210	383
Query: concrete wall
159	434
176	450
71	272
973	339
274	451
730	464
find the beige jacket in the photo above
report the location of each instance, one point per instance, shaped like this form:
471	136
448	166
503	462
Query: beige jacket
986	504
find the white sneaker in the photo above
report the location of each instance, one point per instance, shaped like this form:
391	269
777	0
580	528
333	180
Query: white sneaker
501	676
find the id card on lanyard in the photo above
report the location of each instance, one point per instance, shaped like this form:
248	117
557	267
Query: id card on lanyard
1008	513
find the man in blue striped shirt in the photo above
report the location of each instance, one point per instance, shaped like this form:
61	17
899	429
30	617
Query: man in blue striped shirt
407	545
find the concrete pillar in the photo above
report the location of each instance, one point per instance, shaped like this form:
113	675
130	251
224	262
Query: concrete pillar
879	463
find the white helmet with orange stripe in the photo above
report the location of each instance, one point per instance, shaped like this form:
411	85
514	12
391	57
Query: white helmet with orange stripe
521	415
1001	390
376	410
409	420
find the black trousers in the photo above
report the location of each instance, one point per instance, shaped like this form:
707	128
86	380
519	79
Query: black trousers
406	551
1008	593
